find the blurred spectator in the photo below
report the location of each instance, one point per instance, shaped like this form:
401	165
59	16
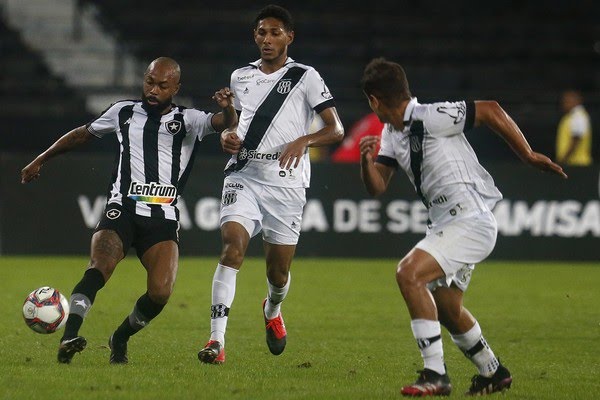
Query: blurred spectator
574	134
349	151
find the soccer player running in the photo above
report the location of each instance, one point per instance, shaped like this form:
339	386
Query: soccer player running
428	142
264	187
157	143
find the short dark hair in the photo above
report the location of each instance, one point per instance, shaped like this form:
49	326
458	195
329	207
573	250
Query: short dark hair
385	80
277	12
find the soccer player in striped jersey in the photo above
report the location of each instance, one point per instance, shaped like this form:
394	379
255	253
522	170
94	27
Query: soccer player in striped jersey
428	142
266	178
157	143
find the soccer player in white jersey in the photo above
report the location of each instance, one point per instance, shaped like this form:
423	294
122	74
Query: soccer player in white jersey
264	188
157	142
428	142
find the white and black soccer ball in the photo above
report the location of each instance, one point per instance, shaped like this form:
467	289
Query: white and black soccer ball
45	310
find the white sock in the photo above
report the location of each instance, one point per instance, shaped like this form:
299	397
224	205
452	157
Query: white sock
223	292
474	346
429	339
275	297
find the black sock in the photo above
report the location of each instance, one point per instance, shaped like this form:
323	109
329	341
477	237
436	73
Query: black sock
145	310
88	286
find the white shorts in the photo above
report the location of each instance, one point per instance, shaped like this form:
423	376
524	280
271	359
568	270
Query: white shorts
277	211
458	245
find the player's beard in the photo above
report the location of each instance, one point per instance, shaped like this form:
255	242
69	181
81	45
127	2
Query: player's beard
155	109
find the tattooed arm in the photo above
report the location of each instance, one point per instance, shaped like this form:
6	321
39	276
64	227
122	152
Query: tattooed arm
67	142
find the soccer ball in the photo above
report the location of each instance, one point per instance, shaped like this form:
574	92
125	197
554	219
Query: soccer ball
45	310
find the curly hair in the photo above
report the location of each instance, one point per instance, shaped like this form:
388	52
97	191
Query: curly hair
277	12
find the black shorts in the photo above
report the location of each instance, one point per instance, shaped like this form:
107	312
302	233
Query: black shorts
137	231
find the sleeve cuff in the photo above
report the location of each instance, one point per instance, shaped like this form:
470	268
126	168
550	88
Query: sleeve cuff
324	105
387	161
470	117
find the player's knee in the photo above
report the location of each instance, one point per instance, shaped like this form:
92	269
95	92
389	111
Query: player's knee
160	295
232	256
278	276
406	275
449	317
106	268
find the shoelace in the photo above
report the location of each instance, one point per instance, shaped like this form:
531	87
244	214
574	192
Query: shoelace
276	324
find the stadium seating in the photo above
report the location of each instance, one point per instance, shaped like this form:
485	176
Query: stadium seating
36	106
519	55
515	53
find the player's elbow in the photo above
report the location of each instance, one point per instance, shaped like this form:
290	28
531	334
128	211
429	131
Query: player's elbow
487	111
338	133
374	190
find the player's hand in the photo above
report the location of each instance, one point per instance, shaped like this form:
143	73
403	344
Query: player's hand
224	97
230	141
544	163
293	152
31	172
367	146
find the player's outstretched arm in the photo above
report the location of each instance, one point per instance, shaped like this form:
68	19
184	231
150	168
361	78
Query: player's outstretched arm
227	118
493	116
68	141
375	176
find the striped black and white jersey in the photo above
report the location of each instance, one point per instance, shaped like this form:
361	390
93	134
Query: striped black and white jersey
275	110
155	155
433	151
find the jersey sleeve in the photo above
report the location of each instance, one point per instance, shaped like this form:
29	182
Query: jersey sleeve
386	154
200	123
449	118
319	97
107	122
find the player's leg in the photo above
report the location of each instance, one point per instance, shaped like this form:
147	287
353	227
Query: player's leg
282	210
240	221
414	272
235	239
106	252
466	334
279	260
156	243
161	262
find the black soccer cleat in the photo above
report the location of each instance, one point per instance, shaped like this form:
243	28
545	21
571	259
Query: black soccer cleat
118	351
68	348
429	383
499	382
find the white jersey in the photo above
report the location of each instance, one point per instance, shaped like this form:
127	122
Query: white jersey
155	155
276	109
434	152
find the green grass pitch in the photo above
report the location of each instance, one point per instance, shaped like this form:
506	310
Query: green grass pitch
348	333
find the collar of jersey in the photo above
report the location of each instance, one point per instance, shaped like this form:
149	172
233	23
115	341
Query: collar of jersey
410	107
256	64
